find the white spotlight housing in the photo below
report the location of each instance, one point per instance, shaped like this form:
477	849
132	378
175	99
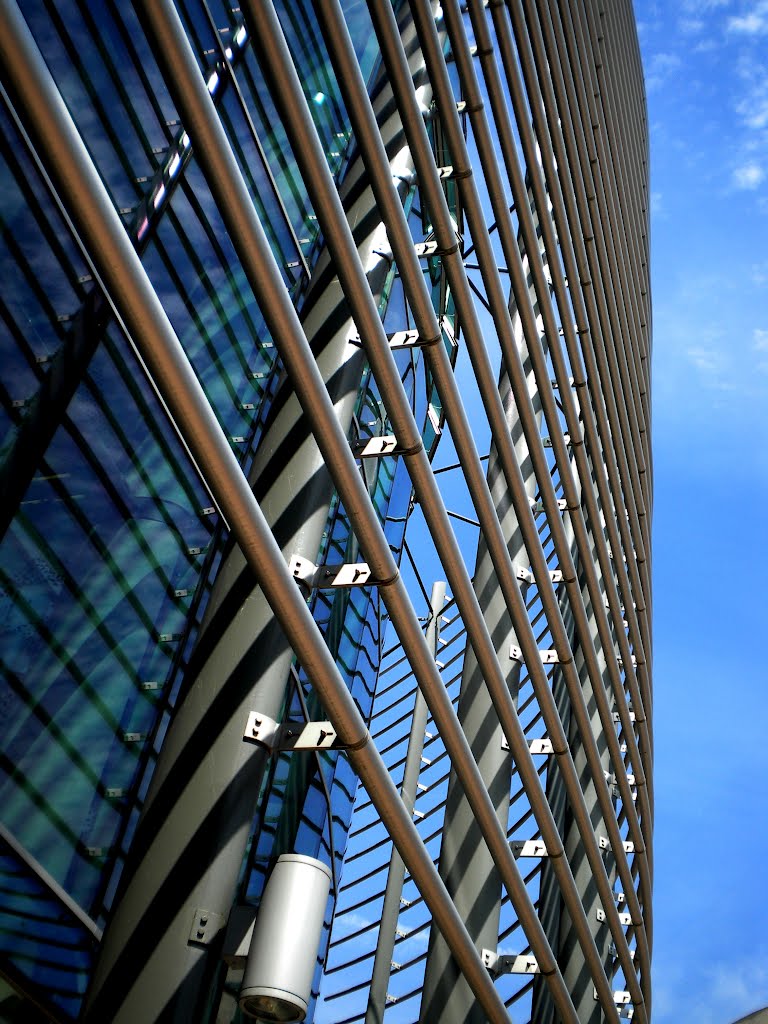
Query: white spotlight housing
281	960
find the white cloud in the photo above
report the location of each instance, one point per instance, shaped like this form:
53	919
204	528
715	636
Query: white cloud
748	176
715	371
664	63
354	922
753	23
701	6
753	107
659	69
729	990
760	340
704	359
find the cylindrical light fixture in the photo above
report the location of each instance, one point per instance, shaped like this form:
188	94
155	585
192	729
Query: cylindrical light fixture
281	960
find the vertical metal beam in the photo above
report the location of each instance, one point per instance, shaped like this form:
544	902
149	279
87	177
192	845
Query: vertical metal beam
382	963
465	865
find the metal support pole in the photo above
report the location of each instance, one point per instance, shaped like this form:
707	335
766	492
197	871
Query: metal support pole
465	865
382	964
119	271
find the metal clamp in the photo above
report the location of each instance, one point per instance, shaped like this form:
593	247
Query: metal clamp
625	919
330	577
541	746
617	719
537	747
548	443
206	924
523	574
619	998
548	657
538	506
528	848
404	339
376	447
290	735
509	964
604	844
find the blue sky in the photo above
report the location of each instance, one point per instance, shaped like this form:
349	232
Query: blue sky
706	64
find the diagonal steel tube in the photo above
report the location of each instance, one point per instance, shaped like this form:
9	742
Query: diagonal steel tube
342	73
614	602
581	226
224	180
138	308
437	358
312	173
603	782
444	94
603	282
504	130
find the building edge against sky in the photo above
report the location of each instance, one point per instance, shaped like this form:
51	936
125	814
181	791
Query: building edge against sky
326	392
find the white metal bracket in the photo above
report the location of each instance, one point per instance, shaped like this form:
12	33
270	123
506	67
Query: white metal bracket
537	747
523	574
528	848
625	918
620	999
604	844
511	964
549	657
617	718
547	441
403	339
542	746
377	447
538	506
526	575
290	735
331	577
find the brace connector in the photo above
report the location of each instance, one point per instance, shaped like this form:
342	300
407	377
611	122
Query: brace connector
509	964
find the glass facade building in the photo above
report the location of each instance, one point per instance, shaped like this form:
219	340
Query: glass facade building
325	377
